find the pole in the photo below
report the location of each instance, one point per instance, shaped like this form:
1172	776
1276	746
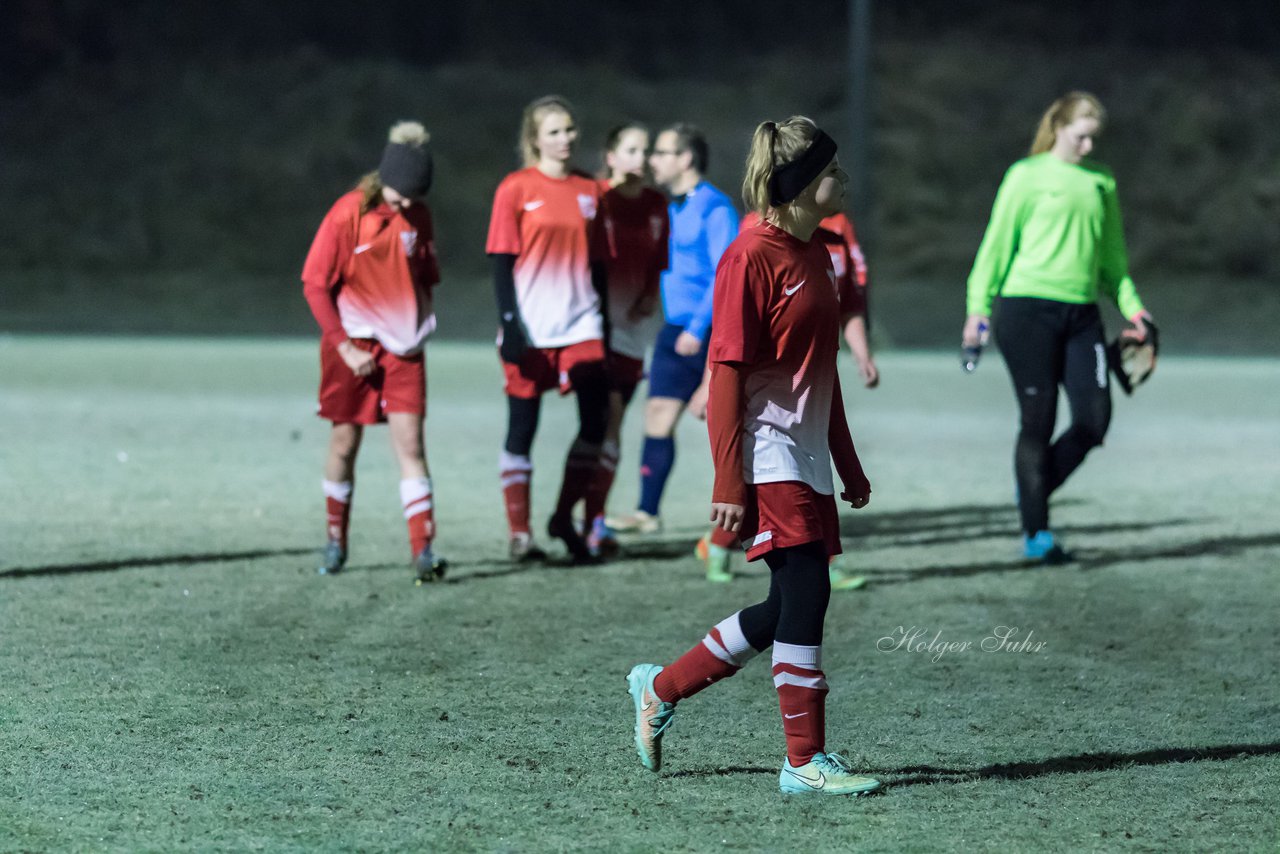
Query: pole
860	122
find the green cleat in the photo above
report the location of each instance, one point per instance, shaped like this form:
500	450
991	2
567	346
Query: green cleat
716	559
824	774
653	717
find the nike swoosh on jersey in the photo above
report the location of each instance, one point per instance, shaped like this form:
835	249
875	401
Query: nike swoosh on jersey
791	290
792	717
362	247
533	206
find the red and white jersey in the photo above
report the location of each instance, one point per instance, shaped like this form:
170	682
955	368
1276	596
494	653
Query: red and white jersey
378	270
836	234
549	224
637	231
777	313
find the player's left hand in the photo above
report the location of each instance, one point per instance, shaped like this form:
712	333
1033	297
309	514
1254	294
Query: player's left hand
1139	330
858	494
870	373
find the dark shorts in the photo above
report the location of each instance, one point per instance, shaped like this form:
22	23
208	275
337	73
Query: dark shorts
545	368
673	375
397	384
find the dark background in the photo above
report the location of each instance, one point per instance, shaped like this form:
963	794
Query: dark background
164	165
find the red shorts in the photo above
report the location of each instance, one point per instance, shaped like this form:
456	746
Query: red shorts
543	369
788	513
397	384
625	373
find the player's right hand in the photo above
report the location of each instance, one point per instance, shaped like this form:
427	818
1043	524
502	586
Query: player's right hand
361	362
514	344
727	516
976	331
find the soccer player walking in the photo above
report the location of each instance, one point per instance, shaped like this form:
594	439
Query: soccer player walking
368	280
777	423
549	277
1053	242
703	224
634	217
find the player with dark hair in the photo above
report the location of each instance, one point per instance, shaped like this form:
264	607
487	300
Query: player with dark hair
1054	241
703	224
548	256
634	217
368	280
777	423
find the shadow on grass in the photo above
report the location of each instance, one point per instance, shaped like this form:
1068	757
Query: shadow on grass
1084	560
1015	533
135	562
926	775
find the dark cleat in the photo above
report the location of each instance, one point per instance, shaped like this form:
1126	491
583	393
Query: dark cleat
562	529
428	567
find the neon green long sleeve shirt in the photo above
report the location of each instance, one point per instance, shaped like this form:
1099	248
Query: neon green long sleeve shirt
1055	233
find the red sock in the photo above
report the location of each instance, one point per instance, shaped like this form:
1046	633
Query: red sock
517	472
419	512
602	482
579	471
720	654
802	696
337	500
724	539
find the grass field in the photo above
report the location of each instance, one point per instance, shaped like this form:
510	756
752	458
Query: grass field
174	675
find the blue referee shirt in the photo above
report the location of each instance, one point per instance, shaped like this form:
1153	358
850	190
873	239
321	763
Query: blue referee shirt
703	225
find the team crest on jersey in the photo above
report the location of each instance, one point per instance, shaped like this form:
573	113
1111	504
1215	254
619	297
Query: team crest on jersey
587	204
655	226
410	241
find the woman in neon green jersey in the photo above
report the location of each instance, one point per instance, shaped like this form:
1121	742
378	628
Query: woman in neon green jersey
1054	241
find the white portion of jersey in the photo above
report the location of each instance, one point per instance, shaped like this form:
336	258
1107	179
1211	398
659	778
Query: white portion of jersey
785	430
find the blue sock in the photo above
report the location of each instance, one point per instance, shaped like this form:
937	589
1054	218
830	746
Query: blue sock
656	460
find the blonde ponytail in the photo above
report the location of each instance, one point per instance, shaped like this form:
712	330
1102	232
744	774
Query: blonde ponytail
773	145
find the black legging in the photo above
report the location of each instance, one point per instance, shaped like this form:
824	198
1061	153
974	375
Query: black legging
590	384
1046	343
799	590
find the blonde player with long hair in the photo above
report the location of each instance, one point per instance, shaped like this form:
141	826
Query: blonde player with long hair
777	424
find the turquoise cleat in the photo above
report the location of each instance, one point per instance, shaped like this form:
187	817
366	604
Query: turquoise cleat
653	717
824	774
1042	546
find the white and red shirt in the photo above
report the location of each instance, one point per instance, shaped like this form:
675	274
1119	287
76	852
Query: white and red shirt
777	314
370	275
637	230
550	225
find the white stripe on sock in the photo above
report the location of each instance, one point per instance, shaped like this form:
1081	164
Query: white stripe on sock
414	489
808	657
338	491
417	507
737	649
514	462
818	683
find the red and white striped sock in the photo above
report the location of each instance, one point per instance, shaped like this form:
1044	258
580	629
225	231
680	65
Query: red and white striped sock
602	481
579	470
802	695
419	512
337	500
517	473
717	656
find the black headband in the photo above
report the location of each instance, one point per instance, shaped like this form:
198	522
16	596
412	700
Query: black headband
406	169
789	180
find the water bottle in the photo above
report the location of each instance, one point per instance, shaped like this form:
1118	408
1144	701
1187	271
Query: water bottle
969	355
